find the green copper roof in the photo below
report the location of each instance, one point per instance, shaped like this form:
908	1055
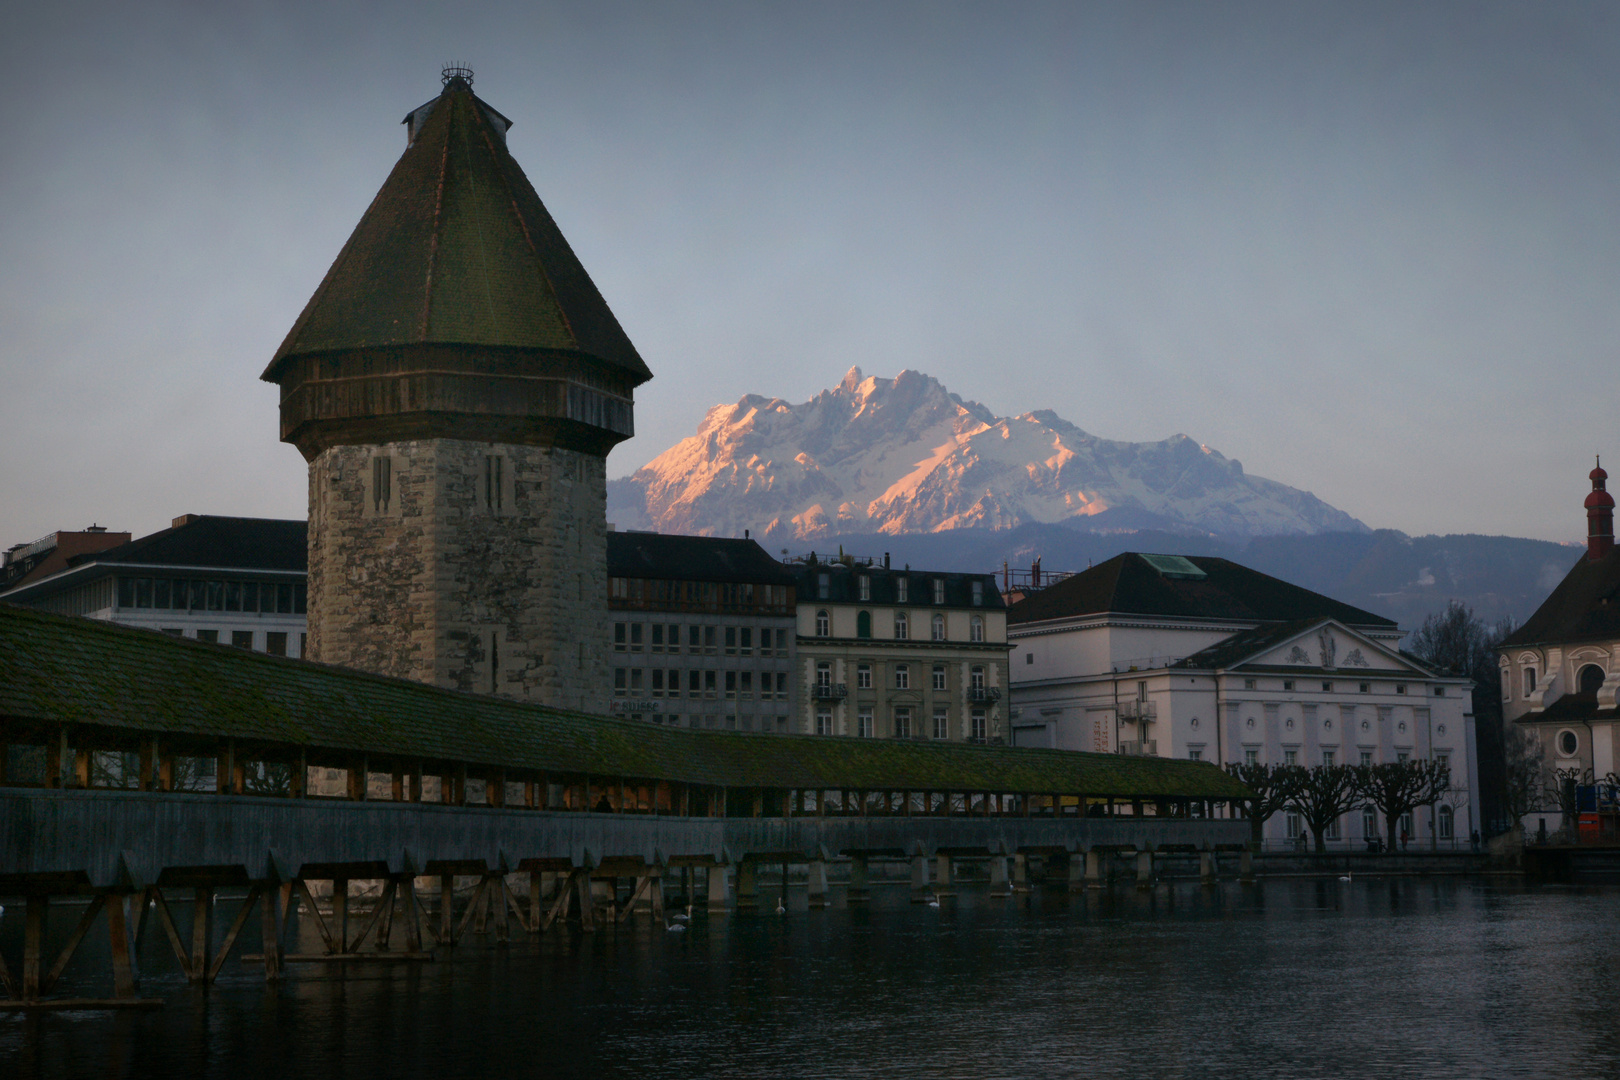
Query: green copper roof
457	249
56	669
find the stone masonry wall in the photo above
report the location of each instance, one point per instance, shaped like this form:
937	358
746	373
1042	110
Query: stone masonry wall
477	566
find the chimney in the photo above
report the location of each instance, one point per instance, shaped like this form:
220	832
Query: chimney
1599	516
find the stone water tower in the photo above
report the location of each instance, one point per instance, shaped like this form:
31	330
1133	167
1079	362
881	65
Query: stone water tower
456	383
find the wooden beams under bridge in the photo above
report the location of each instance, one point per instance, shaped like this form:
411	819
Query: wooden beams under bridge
137	768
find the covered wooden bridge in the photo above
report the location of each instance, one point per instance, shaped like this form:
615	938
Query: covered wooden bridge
136	764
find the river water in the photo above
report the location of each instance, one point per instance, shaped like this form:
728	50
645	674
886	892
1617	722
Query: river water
1394	977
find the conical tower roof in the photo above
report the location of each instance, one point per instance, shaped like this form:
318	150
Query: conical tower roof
458	250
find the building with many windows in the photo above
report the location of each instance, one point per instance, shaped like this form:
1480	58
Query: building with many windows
236	581
900	653
1202	658
1561	669
702	632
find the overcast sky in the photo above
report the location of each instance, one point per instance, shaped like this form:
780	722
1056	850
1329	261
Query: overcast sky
1370	251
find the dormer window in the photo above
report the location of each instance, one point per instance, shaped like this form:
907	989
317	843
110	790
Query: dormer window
902	589
939	590
863	586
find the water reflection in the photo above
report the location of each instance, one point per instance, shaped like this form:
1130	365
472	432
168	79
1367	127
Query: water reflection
1292	978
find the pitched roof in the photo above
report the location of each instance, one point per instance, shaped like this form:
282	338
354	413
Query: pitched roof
57	669
457	249
692	558
226	543
1584	607
1214	588
843	586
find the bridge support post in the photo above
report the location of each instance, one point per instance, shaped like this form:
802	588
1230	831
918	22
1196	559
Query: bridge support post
942	876
817	889
1020	872
999	885
860	889
919	879
1206	867
747	884
1094	869
719	887
1144	869
1246	865
1077	871
586	897
447	909
118	939
202	931
536	899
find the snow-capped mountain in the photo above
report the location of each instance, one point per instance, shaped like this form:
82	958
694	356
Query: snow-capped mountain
906	455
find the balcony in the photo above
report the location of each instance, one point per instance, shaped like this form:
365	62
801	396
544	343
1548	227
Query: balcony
984	693
1139	747
1138	710
829	691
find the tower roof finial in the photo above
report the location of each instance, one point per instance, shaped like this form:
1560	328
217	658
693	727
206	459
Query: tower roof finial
452	72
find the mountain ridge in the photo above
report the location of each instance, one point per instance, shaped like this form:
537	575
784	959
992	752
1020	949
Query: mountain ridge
907	456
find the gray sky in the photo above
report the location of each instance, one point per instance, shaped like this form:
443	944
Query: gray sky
1370	251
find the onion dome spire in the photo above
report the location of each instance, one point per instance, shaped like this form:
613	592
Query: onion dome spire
1599	516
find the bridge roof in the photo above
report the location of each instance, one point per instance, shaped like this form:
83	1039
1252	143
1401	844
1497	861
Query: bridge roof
58	669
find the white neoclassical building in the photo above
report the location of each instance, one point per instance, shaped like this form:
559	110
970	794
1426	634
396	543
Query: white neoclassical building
1203	658
1561	669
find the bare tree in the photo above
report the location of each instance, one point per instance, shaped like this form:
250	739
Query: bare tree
1396	788
1274	787
1325	794
1558	788
1526	758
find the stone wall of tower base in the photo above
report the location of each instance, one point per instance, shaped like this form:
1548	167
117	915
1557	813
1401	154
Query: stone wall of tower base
472	566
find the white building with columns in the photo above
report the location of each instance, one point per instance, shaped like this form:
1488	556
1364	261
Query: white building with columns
1203	658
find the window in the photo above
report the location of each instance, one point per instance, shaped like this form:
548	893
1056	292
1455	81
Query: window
939	590
976	726
242	639
635	680
863	724
621	637
275	642
493	467
1029	658
1448	822
942	723
824	722
731	641
823	624
902	590
1251	757
1290	757
731	684
621	681
937	627
1568	743
863	588
977	626
1248	684
902	722
658	682
747	684
863	676
1327	758
781	686
1291	825
1443	761
708	640
1332	831
863	624
745	640
1439	691
902	676
1369	823
824	674
635	637
1363	688
1400	687
694	683
709	684
657	642
1288	684
1529	681
1406	824
902	626
823	585
765	641
1401	757
976	678
939	676
1327	688
694	638
382	484
977	590
1195	754
1366	758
